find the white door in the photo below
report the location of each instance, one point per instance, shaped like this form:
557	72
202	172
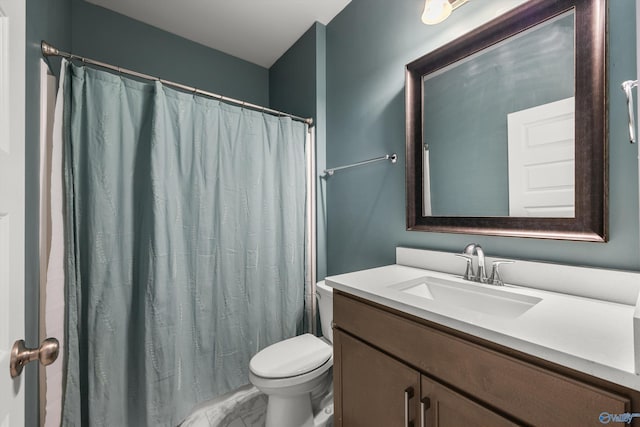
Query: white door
12	77
541	161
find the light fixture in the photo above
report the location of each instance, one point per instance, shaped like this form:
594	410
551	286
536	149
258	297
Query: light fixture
436	11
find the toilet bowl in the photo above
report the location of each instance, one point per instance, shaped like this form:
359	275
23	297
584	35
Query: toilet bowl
294	372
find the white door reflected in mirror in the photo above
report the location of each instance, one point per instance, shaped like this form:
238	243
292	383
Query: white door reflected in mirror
541	152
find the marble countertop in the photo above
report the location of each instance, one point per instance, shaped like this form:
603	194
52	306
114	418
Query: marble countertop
589	335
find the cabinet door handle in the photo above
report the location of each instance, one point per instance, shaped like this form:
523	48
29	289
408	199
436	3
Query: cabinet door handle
424	405
408	395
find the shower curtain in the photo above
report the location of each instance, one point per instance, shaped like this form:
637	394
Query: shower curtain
185	233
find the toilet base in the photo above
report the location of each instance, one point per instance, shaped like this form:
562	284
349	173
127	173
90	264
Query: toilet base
289	411
309	404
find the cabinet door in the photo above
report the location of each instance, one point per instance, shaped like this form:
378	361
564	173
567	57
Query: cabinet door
444	407
372	389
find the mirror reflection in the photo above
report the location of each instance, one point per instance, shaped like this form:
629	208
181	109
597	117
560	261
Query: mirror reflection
498	128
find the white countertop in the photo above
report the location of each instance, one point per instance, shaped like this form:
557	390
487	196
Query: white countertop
591	336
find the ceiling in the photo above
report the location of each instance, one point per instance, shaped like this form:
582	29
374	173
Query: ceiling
258	31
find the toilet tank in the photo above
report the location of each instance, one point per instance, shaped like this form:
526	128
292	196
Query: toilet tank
324	293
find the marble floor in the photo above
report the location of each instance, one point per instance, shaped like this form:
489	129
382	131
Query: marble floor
247	407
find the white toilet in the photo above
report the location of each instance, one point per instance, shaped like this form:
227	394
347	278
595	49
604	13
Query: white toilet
294	371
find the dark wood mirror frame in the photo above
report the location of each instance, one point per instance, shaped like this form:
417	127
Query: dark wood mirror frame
591	158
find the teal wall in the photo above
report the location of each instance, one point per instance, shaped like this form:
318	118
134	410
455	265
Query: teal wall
368	45
292	78
101	34
321	151
49	20
297	84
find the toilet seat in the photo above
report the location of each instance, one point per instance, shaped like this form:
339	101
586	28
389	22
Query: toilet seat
291	358
292	386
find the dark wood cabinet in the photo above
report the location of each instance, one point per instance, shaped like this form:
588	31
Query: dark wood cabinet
374	386
444	407
378	390
461	380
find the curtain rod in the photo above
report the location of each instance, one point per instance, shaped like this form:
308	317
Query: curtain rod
48	50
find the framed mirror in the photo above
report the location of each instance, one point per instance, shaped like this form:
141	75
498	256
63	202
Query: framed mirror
506	127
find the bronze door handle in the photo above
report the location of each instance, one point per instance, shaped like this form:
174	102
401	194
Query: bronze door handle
47	353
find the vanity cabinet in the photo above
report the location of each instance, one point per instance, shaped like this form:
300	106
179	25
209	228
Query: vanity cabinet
389	366
378	390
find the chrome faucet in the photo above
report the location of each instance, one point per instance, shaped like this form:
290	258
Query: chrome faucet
481	274
471	250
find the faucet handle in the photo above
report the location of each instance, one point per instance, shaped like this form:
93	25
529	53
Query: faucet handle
495	278
468	274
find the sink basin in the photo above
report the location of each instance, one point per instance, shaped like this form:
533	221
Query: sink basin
469	296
